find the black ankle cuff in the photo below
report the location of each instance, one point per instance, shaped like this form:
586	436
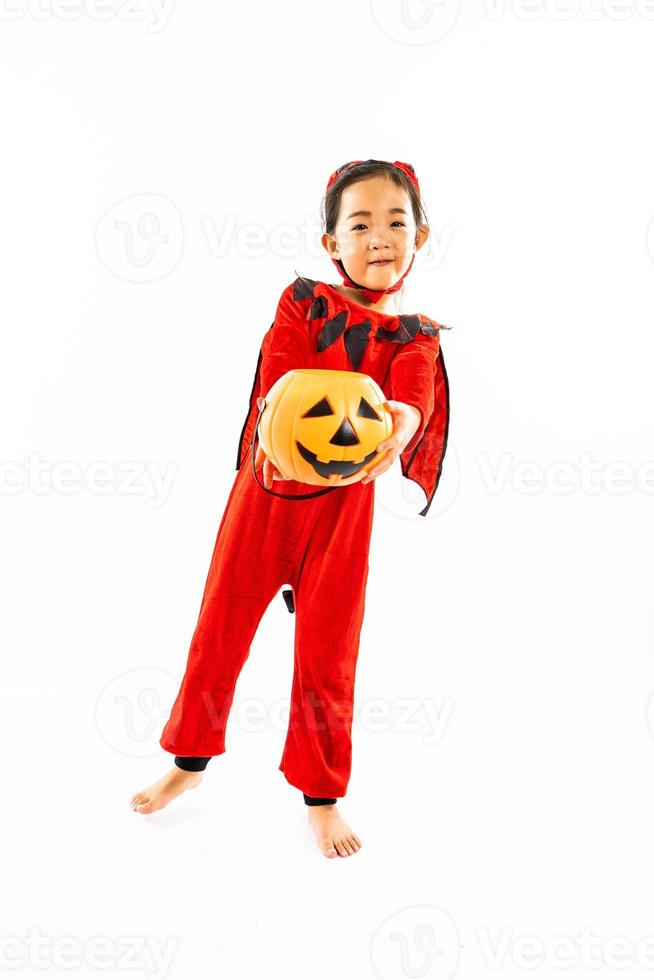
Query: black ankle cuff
317	800
192	763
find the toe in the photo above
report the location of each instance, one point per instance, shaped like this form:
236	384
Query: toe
340	848
328	848
353	844
146	807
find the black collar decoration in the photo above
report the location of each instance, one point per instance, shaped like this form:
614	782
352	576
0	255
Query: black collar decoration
303	287
408	329
355	339
357	334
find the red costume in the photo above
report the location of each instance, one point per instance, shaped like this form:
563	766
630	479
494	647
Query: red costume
319	545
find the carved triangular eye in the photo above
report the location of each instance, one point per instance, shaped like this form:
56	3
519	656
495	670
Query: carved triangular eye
367	411
320	408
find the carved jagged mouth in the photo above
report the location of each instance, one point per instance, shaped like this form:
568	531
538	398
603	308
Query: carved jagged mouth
343	467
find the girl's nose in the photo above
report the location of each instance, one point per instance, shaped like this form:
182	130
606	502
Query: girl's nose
378	241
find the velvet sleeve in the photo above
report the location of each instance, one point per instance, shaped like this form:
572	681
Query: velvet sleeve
286	343
412	377
285	346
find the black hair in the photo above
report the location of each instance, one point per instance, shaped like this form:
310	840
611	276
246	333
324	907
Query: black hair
361	171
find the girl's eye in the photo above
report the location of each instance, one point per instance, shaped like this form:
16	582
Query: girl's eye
397	222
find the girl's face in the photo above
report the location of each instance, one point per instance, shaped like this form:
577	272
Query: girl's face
375	223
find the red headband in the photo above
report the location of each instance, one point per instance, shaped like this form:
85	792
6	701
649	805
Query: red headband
405	167
374	294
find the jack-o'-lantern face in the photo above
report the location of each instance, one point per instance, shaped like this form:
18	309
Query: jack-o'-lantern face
323	427
345	434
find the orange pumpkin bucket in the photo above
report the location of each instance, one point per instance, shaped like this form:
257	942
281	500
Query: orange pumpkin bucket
323	427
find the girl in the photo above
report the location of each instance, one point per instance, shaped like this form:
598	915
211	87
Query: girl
374	225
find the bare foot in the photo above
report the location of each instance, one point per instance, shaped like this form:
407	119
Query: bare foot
333	835
164	790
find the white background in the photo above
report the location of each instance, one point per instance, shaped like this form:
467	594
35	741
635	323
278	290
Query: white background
517	615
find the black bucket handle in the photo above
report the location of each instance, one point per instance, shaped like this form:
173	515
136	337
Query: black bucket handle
286	496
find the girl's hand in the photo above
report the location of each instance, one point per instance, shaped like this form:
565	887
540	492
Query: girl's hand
270	471
406	420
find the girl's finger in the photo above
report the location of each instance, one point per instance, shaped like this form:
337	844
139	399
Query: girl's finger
378	470
389	443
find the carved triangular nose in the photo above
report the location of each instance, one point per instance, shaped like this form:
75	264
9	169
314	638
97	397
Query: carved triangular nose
345	434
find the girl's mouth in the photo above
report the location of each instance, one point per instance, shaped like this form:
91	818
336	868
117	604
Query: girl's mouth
382	262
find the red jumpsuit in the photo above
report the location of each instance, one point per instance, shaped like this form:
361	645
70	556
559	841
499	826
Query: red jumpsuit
319	546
